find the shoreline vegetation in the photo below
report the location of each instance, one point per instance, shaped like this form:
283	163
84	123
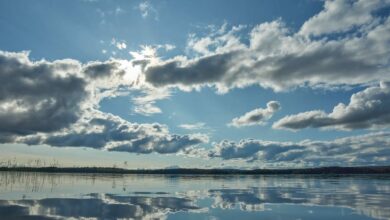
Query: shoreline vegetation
194	171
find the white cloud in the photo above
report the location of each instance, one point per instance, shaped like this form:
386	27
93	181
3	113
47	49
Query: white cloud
257	116
145	104
341	16
369	108
195	126
119	44
147	52
150	52
146	9
168	47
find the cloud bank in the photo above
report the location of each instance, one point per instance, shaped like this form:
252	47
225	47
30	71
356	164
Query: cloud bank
280	59
55	103
357	150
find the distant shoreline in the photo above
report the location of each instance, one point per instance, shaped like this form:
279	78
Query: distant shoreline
193	171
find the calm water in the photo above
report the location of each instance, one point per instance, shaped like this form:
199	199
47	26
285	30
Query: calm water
80	196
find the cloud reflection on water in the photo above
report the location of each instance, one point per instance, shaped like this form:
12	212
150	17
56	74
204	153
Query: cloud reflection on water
150	197
97	206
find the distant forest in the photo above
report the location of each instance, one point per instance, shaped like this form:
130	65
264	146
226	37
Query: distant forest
190	171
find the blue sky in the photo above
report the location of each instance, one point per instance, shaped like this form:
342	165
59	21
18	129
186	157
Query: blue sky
193	82
75	29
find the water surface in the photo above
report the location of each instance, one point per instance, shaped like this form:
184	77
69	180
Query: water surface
96	196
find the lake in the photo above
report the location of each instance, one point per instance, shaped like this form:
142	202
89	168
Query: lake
102	196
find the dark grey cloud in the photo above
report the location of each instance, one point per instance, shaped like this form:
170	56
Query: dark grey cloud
369	108
331	64
44	96
257	116
103	69
204	70
39	96
356	150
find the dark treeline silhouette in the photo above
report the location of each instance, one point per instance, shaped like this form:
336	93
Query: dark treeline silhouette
193	171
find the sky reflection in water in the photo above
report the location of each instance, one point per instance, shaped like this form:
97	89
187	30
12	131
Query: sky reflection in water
64	196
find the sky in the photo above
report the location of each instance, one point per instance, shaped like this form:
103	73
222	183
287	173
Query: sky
172	83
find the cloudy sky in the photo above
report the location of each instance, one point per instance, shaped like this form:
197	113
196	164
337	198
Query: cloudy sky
219	83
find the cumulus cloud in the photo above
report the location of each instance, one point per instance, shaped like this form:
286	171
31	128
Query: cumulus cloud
341	16
369	108
357	150
278	58
39	96
257	116
55	103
